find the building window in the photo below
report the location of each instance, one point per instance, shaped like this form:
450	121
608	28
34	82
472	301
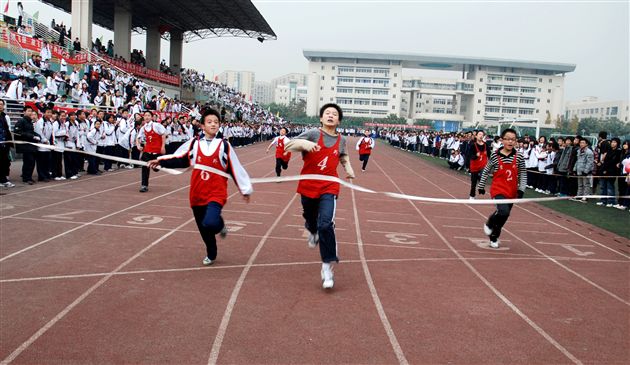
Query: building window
331	99
539	80
537	111
480	89
538	100
549	91
480	80
321	99
395	74
478	111
393	107
333	67
548	101
613	110
550	81
321	88
332	77
322	77
539	90
478	101
394	84
322	67
394	97
332	88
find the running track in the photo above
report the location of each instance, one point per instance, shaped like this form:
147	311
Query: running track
91	271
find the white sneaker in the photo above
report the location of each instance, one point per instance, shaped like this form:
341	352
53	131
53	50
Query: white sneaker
471	198
130	167
223	232
599	203
328	278
313	240
494	244
621	207
207	261
8	184
537	190
546	192
110	170
609	205
57	179
487	230
74	177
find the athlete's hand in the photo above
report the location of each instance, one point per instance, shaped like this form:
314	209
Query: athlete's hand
315	148
163	150
481	191
246	198
154	164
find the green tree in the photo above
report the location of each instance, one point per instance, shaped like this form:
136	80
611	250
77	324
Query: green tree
573	125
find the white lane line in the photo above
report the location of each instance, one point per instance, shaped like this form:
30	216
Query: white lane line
336	218
412	234
400	355
390	222
56	185
87	224
500	295
468	239
246	211
85	294
388	213
461	227
77	198
276	264
479	220
302	226
218	340
517	237
562	244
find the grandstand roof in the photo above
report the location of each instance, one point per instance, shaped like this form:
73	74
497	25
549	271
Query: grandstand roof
438	62
197	19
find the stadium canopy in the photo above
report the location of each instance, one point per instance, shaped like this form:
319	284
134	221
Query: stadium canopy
195	19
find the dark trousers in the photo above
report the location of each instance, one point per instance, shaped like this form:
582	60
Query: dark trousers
109	151
57	165
100	150
43	165
563	188
572	185
122	153
474	179
146	156
624	190
320	215
92	168
364	158
532	177
5	163
135	154
281	165
70	163
209	222
497	220
28	166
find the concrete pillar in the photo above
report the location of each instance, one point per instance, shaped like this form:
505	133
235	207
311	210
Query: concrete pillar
122	30
82	22
175	57
152	53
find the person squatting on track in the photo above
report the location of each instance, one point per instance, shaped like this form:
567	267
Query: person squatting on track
208	191
282	156
150	140
478	156
508	182
322	151
365	146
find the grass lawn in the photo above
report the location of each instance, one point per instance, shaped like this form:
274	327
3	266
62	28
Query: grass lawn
611	219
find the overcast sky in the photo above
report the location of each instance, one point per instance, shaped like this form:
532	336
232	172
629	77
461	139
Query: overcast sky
593	35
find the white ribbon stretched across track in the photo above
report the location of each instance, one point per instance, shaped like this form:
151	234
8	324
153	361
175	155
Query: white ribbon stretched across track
266	180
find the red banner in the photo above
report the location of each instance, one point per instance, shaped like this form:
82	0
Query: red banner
400	126
59	52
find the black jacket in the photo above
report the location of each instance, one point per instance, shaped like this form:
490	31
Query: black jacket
25	131
609	164
4	124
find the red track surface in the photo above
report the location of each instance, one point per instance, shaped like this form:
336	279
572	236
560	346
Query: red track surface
91	271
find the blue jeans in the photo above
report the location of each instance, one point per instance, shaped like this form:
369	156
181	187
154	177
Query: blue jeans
209	222
608	188
320	218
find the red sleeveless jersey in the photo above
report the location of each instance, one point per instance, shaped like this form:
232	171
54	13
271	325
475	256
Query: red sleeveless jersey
505	179
322	162
280	149
365	146
154	141
206	187
481	161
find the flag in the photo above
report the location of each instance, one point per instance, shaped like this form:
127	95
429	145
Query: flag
6	7
36	15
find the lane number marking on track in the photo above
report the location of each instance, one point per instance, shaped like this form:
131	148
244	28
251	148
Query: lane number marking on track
570	247
146	220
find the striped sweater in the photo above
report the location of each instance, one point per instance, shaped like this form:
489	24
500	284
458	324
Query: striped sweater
493	165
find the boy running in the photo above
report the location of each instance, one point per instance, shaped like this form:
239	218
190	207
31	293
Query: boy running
208	190
365	146
322	151
508	182
282	157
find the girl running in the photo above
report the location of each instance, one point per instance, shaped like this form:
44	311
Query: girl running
365	146
478	156
322	150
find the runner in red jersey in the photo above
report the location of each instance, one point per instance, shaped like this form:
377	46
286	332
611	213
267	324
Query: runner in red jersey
508	182
478	155
365	146
151	142
208	190
282	156
322	150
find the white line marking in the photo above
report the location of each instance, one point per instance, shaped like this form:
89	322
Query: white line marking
562	244
56	185
390	222
400	355
556	233
486	282
468	239
336	218
582	277
218	340
85	294
138	214
255	204
479	220
302	226
388	232
245	211
462	227
388	213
